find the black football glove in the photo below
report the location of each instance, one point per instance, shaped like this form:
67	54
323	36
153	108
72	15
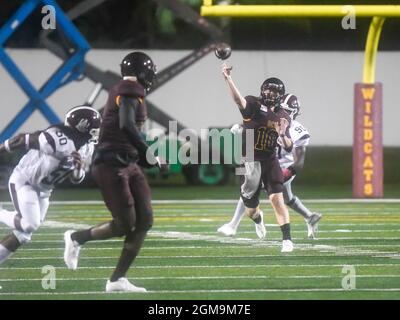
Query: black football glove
163	165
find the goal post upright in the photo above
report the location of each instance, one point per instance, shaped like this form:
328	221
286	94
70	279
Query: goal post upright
367	135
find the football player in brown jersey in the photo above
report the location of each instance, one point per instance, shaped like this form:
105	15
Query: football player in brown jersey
268	126
116	170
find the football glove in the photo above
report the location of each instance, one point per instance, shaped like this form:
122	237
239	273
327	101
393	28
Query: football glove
163	165
237	129
288	173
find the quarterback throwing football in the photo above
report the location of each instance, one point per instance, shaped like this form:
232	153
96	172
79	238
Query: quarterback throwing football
291	163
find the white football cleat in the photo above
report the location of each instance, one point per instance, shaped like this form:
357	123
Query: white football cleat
287	246
312	225
71	251
122	285
260	227
227	230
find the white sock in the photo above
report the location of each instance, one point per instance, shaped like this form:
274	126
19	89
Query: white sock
7	217
4	253
238	215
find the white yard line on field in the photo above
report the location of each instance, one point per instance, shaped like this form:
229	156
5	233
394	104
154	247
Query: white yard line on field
211	277
198	291
266	266
227	201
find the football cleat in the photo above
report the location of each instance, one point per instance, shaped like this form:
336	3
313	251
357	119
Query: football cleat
71	251
312	225
260	227
287	246
227	230
122	285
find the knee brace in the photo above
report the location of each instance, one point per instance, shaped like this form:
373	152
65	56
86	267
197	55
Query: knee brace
291	202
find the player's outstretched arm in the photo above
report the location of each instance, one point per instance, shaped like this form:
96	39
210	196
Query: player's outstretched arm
22	141
235	93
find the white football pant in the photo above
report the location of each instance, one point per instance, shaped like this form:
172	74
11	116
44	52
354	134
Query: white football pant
31	203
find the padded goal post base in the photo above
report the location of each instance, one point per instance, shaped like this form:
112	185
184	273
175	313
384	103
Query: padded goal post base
368	147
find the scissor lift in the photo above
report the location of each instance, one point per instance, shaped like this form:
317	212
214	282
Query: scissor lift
71	68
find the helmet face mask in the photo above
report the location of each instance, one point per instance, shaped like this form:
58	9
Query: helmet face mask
139	65
291	105
85	120
271	90
95	133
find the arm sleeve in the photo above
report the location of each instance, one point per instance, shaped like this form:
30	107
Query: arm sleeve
127	120
22	141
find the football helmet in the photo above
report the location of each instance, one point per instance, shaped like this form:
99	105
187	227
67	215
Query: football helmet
271	90
290	104
86	120
138	64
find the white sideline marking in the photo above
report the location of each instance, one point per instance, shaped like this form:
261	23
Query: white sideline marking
198	291
228	201
210	278
266	266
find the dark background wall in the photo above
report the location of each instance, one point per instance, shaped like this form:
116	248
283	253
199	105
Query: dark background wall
142	24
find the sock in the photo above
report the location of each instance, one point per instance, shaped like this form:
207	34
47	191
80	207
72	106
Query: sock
238	215
7	217
81	236
299	207
257	217
285	228
4	253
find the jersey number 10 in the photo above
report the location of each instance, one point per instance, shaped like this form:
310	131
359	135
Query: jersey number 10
266	139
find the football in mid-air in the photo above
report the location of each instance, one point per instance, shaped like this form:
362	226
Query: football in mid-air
223	51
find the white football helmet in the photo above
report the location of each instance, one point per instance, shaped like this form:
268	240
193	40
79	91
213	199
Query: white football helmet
291	105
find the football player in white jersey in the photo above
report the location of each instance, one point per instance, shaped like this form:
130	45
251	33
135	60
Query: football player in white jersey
52	155
291	163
